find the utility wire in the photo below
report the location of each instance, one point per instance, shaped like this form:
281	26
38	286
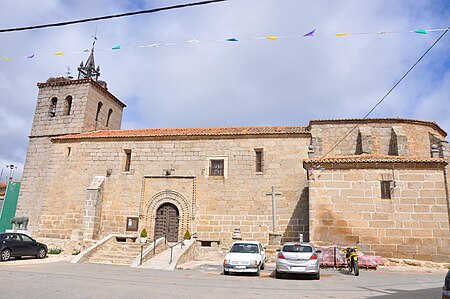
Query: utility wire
110	16
389	92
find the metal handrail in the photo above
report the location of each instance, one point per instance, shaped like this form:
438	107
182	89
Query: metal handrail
171	249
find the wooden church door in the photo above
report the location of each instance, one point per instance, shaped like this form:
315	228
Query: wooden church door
167	221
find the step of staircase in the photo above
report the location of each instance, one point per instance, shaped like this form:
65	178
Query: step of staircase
113	252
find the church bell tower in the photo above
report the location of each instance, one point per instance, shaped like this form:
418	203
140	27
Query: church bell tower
64	106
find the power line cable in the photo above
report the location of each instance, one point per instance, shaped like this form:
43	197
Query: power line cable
109	16
389	92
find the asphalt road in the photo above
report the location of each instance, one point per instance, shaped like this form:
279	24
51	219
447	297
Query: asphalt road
60	279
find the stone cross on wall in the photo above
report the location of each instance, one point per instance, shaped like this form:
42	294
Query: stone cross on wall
274	208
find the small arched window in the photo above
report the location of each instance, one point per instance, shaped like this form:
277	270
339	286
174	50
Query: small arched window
99	107
68	105
52	109
109	117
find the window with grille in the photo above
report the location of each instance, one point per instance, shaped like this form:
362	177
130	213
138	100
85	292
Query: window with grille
386	189
259	160
216	168
127	160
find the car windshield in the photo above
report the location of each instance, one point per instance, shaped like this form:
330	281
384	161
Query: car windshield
244	248
297	248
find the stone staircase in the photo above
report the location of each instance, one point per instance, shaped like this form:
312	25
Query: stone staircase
114	252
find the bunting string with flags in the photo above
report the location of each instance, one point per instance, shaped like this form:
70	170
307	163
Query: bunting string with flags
310	34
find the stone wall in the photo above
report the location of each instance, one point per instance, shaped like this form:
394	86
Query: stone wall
372	137
47	165
35	181
346	208
218	204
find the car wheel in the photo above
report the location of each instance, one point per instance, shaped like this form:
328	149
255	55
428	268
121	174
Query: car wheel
278	274
5	255
225	272
42	253
258	272
317	276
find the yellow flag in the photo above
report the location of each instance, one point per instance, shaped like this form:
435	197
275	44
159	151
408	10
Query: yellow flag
6	58
271	37
59	53
342	34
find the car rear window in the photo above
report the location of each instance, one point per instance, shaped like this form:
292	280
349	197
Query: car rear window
297	248
245	248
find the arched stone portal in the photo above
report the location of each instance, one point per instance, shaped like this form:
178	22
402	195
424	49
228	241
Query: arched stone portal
167	222
169	203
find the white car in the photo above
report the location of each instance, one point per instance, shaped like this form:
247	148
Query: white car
245	257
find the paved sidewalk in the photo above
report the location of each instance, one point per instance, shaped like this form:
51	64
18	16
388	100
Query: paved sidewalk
161	261
51	258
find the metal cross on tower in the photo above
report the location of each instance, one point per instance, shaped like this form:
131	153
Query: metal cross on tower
274	208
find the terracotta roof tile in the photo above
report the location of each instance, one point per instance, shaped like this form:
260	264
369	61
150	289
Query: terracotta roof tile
374	158
180	132
3	186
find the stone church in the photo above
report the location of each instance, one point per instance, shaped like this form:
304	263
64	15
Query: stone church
383	186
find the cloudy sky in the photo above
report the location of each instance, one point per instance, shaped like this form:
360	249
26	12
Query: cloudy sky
250	82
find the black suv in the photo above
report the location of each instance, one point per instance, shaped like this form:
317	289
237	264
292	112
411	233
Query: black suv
18	245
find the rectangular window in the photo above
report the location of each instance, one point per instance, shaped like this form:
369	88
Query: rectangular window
216	168
386	189
259	160
127	160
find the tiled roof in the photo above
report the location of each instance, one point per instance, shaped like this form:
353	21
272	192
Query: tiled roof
3	186
373	158
380	120
192	132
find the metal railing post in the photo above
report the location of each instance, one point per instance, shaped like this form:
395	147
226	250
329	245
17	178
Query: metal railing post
142	249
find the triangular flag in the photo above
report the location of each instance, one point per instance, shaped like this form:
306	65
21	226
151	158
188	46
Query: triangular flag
59	53
192	41
271	37
311	33
232	39
421	31
6	58
116	47
342	34
86	50
31	56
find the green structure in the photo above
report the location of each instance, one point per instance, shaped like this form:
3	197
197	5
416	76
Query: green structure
8	210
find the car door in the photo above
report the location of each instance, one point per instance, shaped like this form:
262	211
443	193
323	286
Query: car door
263	253
12	241
28	246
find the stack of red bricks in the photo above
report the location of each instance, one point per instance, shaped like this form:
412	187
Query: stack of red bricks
332	257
